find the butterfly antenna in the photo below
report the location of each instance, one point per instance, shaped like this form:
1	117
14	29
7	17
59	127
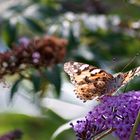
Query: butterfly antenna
137	54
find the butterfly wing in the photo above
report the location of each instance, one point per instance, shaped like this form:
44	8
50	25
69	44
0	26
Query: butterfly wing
121	79
128	76
89	81
77	71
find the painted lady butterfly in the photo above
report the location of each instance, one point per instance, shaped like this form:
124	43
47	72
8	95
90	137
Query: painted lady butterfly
91	82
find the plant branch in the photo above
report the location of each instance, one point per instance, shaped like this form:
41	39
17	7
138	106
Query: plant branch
132	136
105	133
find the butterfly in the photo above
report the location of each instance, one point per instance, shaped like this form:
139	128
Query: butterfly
93	83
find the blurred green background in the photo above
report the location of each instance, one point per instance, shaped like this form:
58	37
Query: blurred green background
101	33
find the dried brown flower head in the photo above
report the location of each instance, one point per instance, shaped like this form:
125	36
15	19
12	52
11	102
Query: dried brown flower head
38	52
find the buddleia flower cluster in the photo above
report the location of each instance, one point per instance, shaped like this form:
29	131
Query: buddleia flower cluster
38	52
114	112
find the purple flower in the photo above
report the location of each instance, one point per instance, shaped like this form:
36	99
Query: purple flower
24	41
36	57
117	112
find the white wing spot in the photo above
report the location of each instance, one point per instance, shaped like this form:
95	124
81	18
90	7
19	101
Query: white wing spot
95	71
75	63
75	70
83	67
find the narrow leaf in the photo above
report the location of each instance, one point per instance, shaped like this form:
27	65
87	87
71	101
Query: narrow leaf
36	80
15	88
33	24
9	32
54	77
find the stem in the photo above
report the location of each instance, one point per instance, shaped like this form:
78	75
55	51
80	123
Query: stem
105	133
132	136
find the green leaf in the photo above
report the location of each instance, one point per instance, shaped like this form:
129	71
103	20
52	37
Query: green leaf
53	76
36	80
9	32
15	88
33	24
60	129
16	8
124	9
55	105
30	125
73	43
